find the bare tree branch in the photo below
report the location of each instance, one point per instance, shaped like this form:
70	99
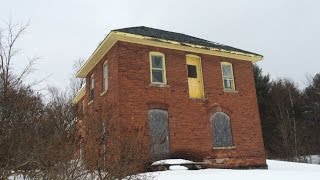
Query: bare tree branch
75	82
8	51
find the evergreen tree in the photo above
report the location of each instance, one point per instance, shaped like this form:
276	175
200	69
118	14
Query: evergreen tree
263	86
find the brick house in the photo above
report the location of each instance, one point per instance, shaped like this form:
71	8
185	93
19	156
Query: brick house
191	98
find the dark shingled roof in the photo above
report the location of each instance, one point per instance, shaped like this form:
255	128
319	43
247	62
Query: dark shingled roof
179	37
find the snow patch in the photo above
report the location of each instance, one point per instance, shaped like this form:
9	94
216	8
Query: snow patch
177	167
172	161
312	159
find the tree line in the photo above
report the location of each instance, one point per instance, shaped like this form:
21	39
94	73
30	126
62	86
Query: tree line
36	135
40	134
290	116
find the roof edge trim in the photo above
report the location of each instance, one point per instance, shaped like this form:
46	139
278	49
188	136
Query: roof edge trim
115	36
79	95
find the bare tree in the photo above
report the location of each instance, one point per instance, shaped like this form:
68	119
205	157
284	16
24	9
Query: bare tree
39	139
8	51
18	103
108	152
285	104
75	82
58	141
36	138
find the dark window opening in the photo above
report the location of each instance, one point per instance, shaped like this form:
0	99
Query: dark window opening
192	71
157	76
157	62
91	96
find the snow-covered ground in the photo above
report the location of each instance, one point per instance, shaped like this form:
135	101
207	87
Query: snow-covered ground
277	170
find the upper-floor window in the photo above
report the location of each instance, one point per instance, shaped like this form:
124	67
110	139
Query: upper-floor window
227	76
91	82
157	68
105	77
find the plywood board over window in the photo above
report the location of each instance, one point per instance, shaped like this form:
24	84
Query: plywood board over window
158	134
221	131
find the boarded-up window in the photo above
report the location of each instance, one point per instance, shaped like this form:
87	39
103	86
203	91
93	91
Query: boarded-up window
159	134
221	130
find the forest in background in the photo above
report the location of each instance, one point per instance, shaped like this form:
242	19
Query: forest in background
290	115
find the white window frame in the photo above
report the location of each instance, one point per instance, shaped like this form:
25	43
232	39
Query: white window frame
105	77
91	91
164	75
228	78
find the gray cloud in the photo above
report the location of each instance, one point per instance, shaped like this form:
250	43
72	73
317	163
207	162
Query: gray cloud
285	32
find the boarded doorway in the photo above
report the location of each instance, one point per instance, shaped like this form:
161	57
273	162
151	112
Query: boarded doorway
158	134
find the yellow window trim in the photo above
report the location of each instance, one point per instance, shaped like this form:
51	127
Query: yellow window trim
192	55
79	95
234	83
154	53
115	36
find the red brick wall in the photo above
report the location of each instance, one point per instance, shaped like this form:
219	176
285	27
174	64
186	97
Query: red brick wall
97	111
189	119
102	100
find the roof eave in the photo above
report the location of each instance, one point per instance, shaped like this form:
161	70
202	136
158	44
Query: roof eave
115	36
98	54
139	39
80	94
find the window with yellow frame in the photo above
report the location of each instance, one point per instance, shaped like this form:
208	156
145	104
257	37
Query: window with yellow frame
157	68
227	76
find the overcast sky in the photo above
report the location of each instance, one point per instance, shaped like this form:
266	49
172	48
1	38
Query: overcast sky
286	33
